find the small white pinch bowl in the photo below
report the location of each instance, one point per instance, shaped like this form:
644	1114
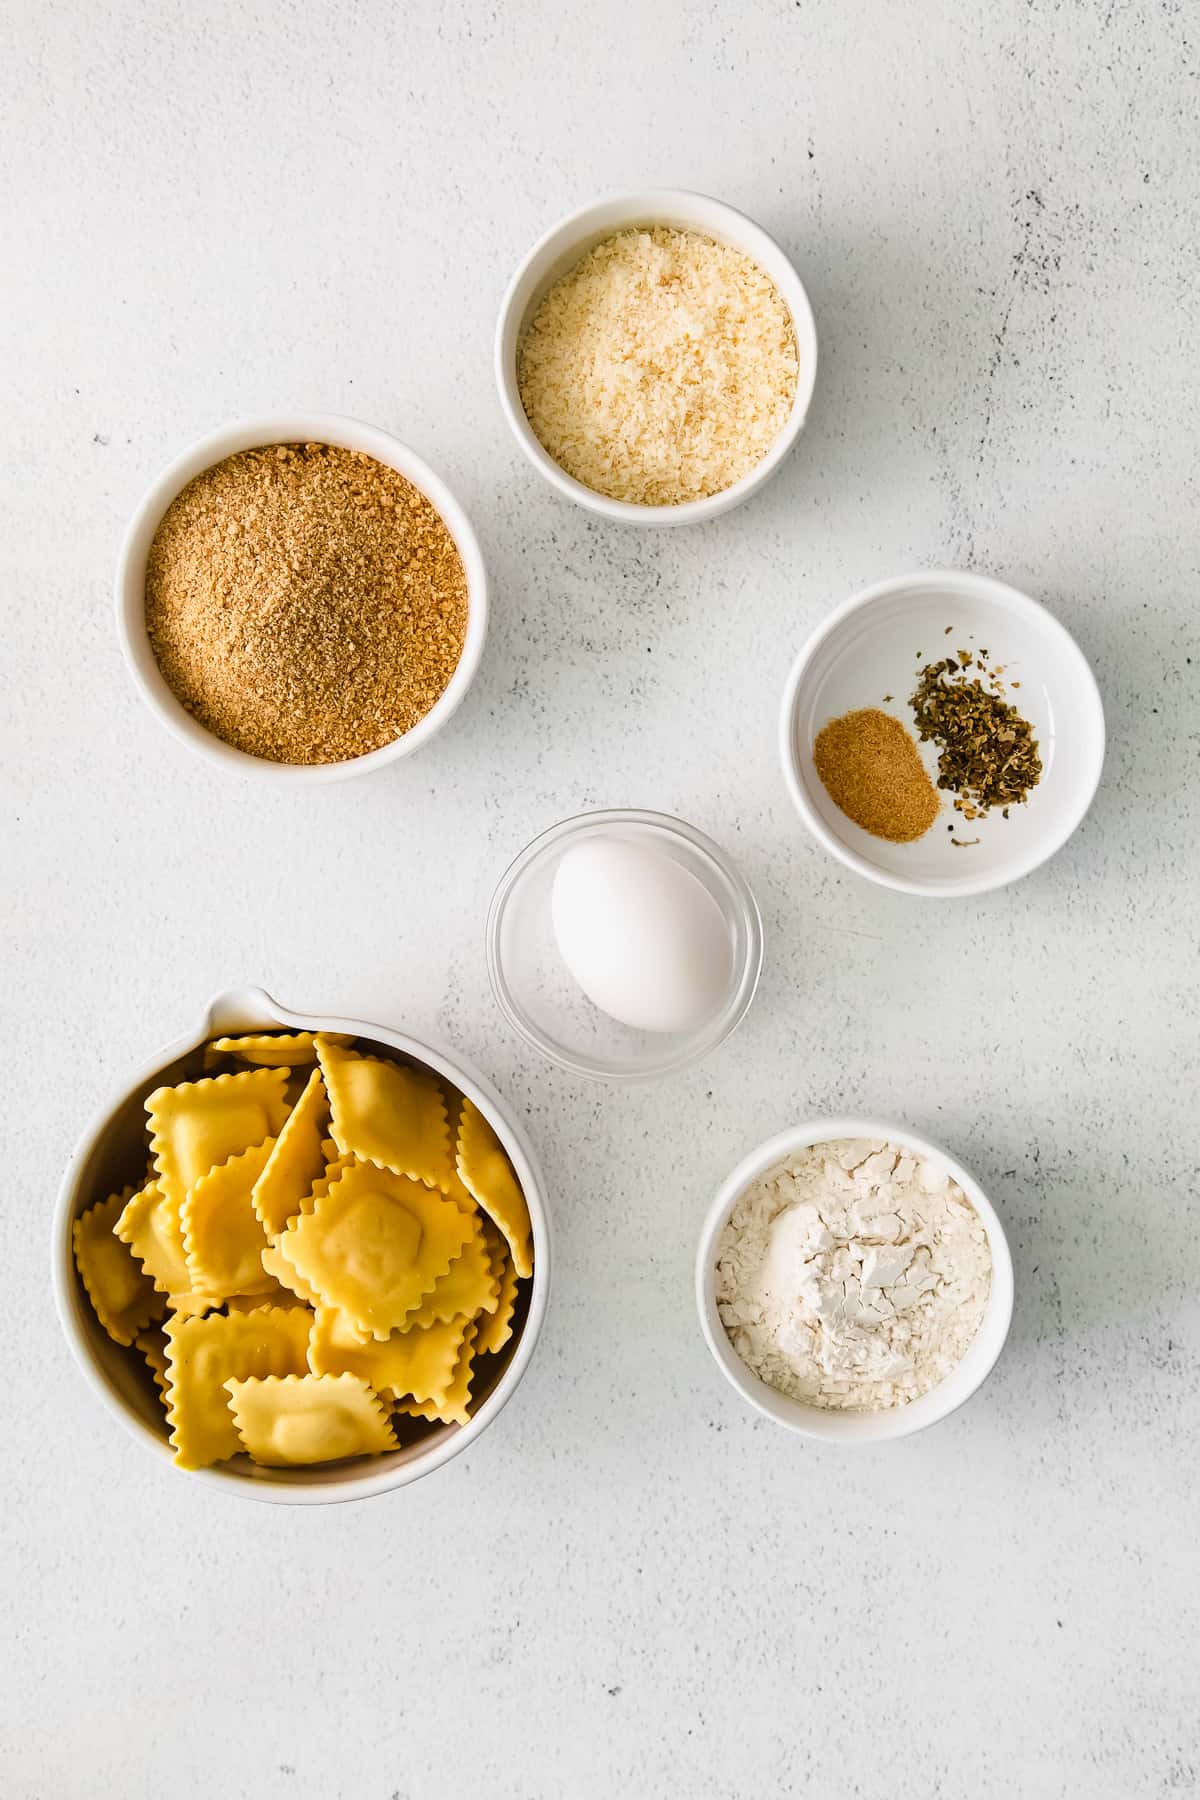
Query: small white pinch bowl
849	1427
567	243
249	434
868	649
102	1163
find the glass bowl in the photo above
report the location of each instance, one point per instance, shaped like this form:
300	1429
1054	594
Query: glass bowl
540	997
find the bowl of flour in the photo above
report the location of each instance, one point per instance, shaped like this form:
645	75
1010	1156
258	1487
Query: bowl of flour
853	1281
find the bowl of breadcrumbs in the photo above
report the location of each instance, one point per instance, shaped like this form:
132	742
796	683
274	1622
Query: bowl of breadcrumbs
301	597
656	356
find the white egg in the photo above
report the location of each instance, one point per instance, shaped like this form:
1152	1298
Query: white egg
641	934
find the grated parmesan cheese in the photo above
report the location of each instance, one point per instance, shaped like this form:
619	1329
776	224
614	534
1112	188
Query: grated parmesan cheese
661	368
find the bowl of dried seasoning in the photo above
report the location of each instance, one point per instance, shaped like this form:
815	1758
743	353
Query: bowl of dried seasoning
854	1283
942	733
301	597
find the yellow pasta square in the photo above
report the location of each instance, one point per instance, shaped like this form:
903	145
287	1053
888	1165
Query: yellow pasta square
495	1328
271	1049
153	1346
454	1406
450	1181
375	1244
309	1419
488	1175
335	1167
200	1124
420	1360
275	1295
192	1306
470	1285
276	1265
386	1114
150	1226
296	1161
123	1296
222	1236
268	1049
203	1354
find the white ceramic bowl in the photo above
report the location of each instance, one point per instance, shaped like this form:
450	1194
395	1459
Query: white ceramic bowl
570	240
247	434
113	1145
874	645
846	1427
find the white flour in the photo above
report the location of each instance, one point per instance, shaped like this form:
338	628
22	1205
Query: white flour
854	1275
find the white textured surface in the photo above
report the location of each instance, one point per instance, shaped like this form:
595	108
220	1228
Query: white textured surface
630	1586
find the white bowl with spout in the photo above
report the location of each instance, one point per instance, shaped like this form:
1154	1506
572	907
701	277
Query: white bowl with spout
112	1153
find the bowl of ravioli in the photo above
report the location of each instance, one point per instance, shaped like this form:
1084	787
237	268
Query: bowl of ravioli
303	1258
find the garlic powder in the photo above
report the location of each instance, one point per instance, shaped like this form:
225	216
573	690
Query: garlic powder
853	1276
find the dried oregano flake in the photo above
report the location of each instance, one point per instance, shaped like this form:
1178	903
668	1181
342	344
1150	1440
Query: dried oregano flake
988	755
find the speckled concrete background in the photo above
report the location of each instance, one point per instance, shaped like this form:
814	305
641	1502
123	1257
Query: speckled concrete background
630	1586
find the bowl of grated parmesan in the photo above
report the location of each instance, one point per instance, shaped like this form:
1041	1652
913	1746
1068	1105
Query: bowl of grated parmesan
853	1281
655	357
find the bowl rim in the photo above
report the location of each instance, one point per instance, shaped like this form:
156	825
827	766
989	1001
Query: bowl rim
854	1429
248	433
615	212
747	986
983	587
252	1009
